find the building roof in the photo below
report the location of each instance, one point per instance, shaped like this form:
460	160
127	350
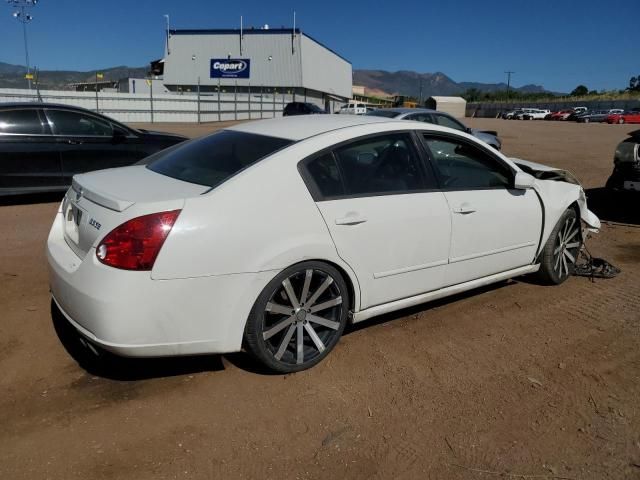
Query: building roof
252	31
449	99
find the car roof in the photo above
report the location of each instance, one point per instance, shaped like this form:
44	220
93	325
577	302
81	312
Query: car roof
305	126
14	105
410	110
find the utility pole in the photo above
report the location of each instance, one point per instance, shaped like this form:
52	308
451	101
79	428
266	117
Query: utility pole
509	73
21	14
420	101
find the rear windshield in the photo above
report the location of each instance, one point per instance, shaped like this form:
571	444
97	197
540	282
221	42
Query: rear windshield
213	159
383	113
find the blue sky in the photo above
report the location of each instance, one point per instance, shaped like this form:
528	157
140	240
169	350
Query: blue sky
555	43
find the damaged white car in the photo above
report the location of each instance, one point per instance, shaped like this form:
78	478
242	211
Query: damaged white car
272	235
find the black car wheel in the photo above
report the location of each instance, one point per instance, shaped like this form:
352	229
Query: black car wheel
298	318
559	255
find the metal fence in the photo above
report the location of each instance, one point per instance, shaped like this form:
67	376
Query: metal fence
149	107
492	110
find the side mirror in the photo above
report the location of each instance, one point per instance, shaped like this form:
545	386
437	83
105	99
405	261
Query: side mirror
523	181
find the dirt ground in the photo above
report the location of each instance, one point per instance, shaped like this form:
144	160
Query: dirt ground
516	380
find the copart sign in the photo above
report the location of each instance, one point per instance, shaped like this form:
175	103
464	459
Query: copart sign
230	67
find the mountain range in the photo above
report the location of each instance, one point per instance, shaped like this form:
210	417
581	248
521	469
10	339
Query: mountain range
12	76
410	83
377	82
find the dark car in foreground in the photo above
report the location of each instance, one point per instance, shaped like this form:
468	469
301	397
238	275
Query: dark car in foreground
626	164
302	108
438	118
42	146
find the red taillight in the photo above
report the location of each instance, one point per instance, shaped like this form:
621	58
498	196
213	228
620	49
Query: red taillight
135	244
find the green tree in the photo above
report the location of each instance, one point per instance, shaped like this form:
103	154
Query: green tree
580	91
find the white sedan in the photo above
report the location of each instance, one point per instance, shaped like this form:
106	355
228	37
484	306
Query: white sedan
273	235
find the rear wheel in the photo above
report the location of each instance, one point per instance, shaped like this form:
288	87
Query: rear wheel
560	253
298	318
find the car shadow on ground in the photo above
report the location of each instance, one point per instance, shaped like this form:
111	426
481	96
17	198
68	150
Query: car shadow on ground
112	367
31	198
614	206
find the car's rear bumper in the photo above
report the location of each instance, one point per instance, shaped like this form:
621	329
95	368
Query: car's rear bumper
130	314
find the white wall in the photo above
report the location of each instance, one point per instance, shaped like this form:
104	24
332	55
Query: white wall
129	107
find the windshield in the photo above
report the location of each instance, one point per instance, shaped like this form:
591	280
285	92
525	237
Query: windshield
383	113
213	159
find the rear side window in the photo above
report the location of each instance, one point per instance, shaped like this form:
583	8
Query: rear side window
21	122
446	121
211	160
386	164
326	175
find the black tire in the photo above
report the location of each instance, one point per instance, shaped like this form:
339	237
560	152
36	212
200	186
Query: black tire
275	328
558	257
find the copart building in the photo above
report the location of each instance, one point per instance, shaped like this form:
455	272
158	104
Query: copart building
256	61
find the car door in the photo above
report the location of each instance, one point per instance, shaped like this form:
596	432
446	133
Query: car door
494	227
29	160
385	214
88	142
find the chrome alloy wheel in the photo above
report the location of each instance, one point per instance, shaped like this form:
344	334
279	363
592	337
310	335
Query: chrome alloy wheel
303	317
566	247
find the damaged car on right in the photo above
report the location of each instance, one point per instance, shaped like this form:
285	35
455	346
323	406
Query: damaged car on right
626	165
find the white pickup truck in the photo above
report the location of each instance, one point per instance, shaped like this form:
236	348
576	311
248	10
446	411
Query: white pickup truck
353	108
532	114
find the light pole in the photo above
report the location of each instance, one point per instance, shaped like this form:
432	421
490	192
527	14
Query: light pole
21	14
167	18
509	73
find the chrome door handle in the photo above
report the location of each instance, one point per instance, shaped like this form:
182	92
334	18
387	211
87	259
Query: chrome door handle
352	218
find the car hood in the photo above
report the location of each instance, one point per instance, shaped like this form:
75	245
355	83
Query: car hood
550	189
545	172
488	132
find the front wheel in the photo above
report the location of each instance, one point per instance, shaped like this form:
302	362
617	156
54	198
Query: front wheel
559	255
298	318
621	121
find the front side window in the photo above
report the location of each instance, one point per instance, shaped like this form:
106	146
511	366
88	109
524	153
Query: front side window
21	122
447	121
65	122
462	166
211	160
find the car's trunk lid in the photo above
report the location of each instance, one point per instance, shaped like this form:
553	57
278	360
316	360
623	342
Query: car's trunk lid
97	202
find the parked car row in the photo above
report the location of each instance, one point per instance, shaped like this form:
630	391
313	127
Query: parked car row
576	114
